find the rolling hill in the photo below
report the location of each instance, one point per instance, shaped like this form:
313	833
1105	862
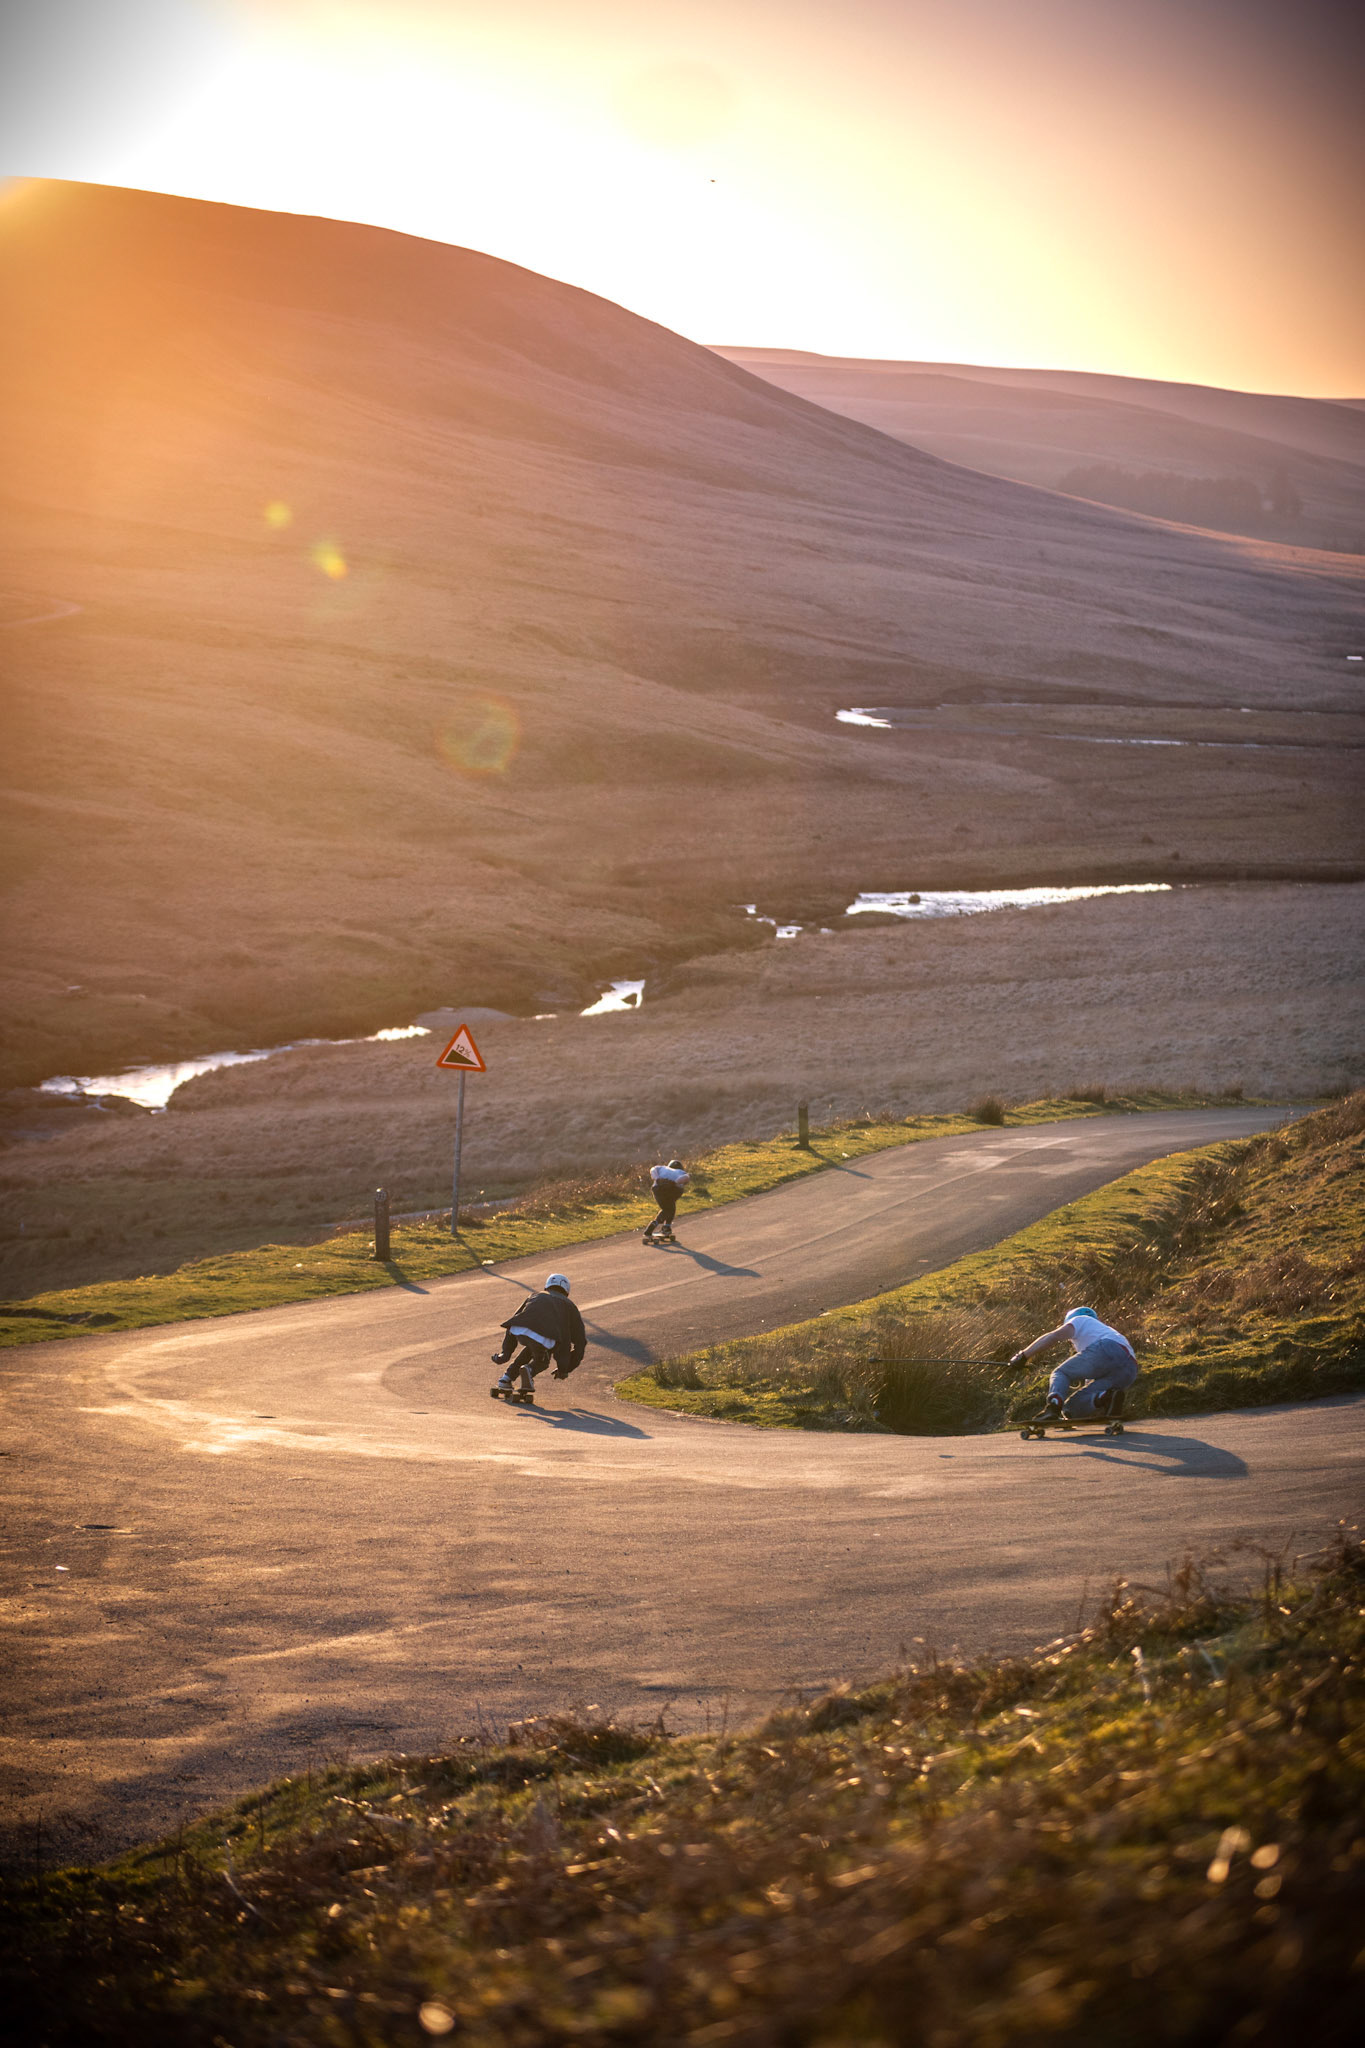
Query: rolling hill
384	625
1040	426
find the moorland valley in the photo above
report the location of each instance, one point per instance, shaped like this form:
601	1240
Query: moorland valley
389	630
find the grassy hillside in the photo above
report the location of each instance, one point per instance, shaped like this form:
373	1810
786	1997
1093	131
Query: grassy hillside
1237	1271
1305	457
1148	1833
387	626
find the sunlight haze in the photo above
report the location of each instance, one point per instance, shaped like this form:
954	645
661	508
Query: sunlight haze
1162	189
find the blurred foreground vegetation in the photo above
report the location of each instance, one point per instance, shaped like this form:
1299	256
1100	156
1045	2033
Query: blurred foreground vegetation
1238	1272
1151	1833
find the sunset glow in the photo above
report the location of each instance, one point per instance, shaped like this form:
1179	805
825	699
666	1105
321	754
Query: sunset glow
1162	189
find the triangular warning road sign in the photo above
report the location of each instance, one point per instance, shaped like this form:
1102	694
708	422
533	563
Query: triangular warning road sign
463	1054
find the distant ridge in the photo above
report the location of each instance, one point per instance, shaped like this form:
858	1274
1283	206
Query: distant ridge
1312	424
1039	425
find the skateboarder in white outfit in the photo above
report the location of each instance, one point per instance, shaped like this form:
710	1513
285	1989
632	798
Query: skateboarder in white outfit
668	1183
1093	1383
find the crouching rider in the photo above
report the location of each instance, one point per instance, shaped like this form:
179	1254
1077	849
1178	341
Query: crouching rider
546	1326
667	1184
1091	1385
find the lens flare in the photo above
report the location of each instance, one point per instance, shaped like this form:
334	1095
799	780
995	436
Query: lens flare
481	738
278	515
328	557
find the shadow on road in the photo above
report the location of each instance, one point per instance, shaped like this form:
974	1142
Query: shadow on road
840	1161
1175	1457
400	1278
711	1265
626	1347
584	1420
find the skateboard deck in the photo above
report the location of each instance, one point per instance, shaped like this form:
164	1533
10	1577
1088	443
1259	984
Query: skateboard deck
1065	1428
512	1397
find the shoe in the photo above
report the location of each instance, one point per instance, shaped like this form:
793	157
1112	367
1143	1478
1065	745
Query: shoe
1050	1412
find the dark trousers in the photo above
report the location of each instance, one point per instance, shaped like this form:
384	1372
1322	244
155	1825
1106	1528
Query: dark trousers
529	1360
666	1195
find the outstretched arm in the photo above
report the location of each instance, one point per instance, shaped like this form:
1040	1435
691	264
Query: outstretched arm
1040	1344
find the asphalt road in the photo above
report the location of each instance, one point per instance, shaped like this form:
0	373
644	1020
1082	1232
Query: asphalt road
235	1547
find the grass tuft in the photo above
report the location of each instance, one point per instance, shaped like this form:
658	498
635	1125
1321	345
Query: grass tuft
987	1109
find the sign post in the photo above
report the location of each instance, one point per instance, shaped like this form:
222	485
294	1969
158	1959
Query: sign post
463	1057
459	1147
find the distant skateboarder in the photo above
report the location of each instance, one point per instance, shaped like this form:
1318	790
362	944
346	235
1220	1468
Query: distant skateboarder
1091	1385
668	1183
547	1325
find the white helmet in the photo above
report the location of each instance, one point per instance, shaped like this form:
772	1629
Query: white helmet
558	1280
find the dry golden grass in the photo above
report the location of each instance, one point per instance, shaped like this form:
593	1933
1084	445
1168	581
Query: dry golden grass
1147	1834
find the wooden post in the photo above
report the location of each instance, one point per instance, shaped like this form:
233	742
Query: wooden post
459	1142
381	1226
803	1125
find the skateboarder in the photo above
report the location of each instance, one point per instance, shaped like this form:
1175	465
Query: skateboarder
668	1183
547	1325
1093	1383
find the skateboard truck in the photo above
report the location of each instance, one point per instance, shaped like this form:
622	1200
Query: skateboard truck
1110	1423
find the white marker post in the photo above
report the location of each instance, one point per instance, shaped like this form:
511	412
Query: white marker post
463	1057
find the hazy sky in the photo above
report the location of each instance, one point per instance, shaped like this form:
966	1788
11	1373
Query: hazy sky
1167	188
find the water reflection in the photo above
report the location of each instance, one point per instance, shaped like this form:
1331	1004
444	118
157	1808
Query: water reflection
963	902
622	995
889	716
152	1087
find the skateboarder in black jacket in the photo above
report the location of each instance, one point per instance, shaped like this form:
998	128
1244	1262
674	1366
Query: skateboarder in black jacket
546	1325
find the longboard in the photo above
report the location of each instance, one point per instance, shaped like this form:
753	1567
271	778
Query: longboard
1100	1427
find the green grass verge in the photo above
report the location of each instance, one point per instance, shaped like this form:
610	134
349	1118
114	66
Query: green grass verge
1148	1834
274	1275
1237	1270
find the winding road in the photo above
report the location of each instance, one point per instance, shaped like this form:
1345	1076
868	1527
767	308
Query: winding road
235	1547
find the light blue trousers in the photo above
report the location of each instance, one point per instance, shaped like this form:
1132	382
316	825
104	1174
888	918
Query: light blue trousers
1105	1365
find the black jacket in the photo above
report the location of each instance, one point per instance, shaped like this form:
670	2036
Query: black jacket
555	1318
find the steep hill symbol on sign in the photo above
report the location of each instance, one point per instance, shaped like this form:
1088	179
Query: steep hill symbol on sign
463	1054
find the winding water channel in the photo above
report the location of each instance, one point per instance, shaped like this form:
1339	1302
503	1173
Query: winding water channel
152	1087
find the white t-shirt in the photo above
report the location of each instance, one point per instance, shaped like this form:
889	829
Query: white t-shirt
1088	1330
673	1173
